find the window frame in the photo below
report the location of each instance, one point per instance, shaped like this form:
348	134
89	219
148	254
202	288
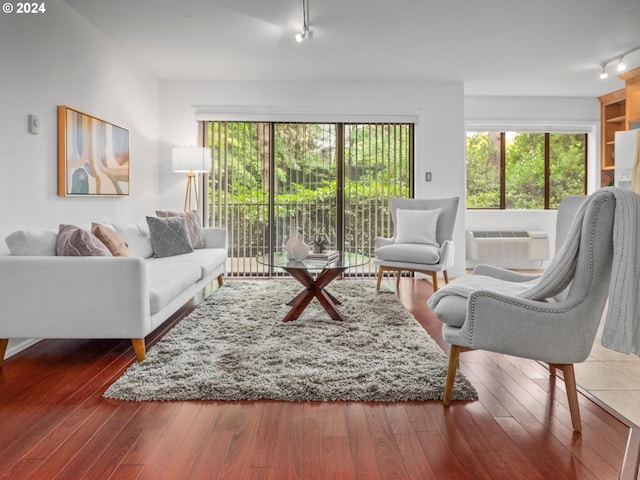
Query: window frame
547	130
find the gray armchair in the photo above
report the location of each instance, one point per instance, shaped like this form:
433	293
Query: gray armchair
421	252
558	329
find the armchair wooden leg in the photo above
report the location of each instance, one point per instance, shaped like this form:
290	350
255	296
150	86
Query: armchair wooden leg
572	395
139	348
3	348
220	280
446	276
380	272
454	355
434	280
398	275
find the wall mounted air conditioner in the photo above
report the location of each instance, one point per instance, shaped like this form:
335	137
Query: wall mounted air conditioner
523	249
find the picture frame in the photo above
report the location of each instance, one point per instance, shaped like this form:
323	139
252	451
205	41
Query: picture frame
93	155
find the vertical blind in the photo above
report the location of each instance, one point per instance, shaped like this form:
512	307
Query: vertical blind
333	178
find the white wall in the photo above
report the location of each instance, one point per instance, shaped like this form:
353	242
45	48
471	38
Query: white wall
58	58
438	107
534	112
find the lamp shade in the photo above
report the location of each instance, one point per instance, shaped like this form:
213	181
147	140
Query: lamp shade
191	159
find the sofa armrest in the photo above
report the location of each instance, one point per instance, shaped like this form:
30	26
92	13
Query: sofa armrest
215	237
73	297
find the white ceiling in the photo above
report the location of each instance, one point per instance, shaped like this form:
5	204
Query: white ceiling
496	47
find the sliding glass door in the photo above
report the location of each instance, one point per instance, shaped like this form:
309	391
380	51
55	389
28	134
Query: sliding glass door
330	178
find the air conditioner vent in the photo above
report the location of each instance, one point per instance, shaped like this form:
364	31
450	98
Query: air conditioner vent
507	248
500	234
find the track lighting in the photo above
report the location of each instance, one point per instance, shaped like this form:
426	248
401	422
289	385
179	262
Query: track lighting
621	65
603	72
306	31
301	36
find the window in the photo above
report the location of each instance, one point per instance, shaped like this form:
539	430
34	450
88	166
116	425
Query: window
524	170
334	178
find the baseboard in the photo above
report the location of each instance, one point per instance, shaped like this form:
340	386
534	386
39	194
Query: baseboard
18	345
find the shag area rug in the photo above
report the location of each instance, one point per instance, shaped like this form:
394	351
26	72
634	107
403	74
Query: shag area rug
234	346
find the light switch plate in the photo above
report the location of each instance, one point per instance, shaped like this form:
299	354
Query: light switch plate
34	124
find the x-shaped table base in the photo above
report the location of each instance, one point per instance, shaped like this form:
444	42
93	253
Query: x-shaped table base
314	289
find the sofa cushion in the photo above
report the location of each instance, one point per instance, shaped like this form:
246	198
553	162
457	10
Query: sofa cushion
169	236
207	259
194	225
32	242
417	226
409	253
167	280
136	235
77	242
112	240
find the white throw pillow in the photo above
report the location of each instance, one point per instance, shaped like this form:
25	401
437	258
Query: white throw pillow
33	242
417	226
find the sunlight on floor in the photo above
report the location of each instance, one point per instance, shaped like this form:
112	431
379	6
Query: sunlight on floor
613	378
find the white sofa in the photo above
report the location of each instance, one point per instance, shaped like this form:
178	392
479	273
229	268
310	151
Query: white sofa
47	296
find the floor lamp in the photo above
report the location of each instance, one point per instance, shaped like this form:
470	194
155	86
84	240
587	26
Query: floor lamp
191	160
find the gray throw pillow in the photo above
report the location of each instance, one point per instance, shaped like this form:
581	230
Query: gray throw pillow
77	242
194	225
169	236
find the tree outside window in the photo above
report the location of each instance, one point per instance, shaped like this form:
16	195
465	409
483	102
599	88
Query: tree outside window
524	170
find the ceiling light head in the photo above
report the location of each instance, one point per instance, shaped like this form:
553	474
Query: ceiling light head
621	66
306	32
302	35
603	72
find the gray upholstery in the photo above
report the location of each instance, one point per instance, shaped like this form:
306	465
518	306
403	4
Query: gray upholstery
555	332
560	330
419	257
566	211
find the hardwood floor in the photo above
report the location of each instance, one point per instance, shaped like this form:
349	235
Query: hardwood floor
55	424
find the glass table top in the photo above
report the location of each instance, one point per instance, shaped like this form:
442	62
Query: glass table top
344	260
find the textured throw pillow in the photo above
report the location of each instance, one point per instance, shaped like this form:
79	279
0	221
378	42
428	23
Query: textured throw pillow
194	225
77	242
169	236
417	226
32	242
112	240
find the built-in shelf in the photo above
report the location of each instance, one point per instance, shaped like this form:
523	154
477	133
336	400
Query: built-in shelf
619	110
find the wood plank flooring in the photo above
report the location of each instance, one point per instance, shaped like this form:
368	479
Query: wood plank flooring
55	424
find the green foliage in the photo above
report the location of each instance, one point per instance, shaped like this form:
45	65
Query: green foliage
483	171
376	166
524	169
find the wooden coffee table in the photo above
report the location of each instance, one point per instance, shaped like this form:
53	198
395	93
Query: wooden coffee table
314	275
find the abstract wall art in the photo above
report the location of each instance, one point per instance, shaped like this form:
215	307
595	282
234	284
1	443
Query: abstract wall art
93	155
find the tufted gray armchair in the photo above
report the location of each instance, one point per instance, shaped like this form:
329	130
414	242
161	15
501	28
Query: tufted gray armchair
559	330
430	258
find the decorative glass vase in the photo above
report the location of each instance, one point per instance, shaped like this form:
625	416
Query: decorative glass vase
293	237
300	249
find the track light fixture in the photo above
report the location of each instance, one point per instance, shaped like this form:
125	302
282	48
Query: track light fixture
603	72
621	65
306	31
